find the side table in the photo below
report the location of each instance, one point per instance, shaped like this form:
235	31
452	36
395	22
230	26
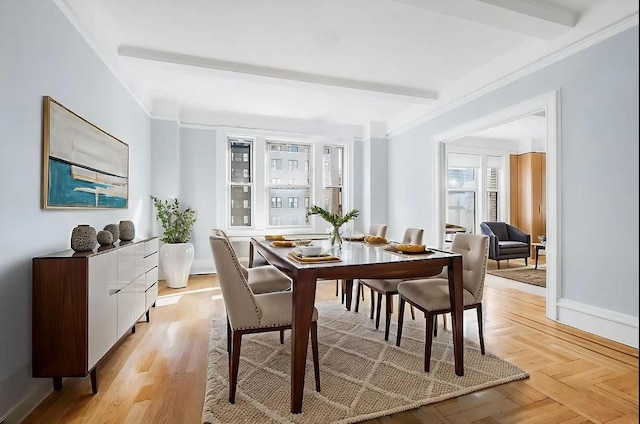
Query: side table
538	247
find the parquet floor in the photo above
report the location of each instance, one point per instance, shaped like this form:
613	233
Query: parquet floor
157	375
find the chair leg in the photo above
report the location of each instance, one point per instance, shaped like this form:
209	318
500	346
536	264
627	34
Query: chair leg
337	282
480	328
435	326
498	262
387	314
428	342
281	336
233	365
358	288
400	320
444	321
342	294
378	307
372	304
526	261
314	349
228	339
413	313
362	290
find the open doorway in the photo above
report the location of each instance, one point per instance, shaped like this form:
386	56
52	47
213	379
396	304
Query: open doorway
453	140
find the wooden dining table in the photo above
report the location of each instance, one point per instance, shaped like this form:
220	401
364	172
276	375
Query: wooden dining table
357	260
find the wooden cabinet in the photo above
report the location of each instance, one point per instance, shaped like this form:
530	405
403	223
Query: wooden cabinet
84	302
528	193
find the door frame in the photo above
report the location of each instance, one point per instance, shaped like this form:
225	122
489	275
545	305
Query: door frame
550	104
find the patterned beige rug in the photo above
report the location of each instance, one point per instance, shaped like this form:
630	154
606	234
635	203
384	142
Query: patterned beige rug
362	376
529	275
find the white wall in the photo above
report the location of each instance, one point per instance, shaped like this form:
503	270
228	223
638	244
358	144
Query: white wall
599	172
42	54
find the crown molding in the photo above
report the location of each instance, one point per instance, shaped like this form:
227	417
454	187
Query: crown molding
79	27
569	50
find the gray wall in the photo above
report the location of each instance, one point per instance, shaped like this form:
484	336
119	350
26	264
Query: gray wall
198	187
42	54
599	168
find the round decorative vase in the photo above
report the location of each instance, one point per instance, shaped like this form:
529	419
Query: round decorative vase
127	231
105	238
114	229
83	238
176	260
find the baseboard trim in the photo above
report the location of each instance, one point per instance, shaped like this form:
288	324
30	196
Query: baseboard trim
20	411
612	325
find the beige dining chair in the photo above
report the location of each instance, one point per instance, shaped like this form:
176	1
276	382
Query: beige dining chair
431	295
261	279
379	230
387	287
252	313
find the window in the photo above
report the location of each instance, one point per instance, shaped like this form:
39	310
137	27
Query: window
276	202
240	181
297	184
492	194
276	164
461	197
332	170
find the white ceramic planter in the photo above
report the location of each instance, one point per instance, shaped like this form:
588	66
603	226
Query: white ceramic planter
176	260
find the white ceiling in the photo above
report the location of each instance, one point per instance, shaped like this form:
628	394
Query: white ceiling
347	62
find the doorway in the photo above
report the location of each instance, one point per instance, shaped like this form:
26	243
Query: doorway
549	106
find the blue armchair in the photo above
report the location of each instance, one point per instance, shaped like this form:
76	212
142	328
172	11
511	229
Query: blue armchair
506	242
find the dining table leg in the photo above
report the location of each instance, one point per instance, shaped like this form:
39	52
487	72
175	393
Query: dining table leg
348	290
304	294
457	310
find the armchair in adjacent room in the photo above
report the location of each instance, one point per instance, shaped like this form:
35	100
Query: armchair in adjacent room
506	241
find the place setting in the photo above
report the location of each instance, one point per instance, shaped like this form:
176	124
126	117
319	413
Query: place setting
309	253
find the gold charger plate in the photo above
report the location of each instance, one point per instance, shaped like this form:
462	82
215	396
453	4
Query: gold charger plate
322	258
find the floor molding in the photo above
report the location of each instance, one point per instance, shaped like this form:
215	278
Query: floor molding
612	325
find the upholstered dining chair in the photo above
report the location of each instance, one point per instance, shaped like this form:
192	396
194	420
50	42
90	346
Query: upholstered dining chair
379	230
431	295
261	279
251	313
387	287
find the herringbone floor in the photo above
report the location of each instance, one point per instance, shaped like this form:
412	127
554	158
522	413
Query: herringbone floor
157	375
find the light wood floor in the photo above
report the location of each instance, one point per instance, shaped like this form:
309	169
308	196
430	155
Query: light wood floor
157	375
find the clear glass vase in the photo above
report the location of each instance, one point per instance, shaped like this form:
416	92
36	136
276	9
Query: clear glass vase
335	237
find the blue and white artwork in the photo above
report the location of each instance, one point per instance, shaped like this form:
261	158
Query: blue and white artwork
84	166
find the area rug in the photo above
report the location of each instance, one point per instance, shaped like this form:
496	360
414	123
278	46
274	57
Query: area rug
529	275
362	376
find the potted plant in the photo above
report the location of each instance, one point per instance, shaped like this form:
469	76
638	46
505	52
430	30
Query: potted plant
176	253
336	220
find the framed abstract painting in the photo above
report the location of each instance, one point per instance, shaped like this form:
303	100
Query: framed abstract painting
83	166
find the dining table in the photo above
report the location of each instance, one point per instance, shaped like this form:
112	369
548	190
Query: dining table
355	260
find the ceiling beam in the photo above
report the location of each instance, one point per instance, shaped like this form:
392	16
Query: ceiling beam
390	92
521	16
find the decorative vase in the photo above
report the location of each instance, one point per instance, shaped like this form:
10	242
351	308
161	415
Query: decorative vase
83	238
114	229
176	260
127	230
105	238
335	237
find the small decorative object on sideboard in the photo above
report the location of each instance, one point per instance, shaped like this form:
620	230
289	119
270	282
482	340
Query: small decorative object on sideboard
127	231
114	229
105	238
83	238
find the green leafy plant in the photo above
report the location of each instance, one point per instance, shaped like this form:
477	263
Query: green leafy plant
176	223
334	219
